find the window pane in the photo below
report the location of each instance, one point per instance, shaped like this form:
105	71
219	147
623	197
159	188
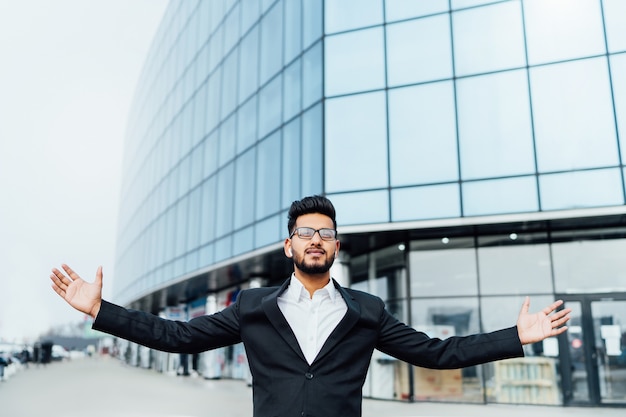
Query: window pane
615	20
270	106
229	85
512	195
246	125
249	59
573	115
250	12
422	134
495	136
268	177
340	15
411	45
268	231
352	122
312	25
420	203
361	208
312	146
271	57
244	189
293	30
488	39
227	140
577	267
292	91
443	272
354	62
291	163
224	200
581	189
405	9
516	269
312	76
243	241
460	315
618	72
558	30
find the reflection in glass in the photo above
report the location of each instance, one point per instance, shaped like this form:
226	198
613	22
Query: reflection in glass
351	122
422	134
558	30
609	319
488	39
581	189
425	202
509	195
340	15
405	9
361	208
573	115
585	266
515	269
443	272
495	126
411	44
354	61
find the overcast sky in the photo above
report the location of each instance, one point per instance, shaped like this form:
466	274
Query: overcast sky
68	71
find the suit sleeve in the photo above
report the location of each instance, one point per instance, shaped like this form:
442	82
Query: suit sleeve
409	345
197	335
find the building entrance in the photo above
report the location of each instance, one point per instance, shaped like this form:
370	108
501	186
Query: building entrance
594	351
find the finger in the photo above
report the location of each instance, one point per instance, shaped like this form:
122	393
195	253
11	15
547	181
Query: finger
58	291
58	282
558	331
552	307
61	276
561	313
560	322
70	272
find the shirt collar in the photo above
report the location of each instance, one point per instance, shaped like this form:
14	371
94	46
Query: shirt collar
297	290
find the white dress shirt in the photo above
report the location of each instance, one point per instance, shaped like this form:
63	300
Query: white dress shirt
311	319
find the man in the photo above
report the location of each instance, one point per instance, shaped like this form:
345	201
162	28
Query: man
310	341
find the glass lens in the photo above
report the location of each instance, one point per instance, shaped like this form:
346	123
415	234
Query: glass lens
327	234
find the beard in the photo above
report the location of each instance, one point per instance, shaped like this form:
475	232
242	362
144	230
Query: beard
313	268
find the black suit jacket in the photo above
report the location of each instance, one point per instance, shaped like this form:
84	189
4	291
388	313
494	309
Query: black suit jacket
284	384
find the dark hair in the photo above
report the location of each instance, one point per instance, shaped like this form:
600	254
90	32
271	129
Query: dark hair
313	204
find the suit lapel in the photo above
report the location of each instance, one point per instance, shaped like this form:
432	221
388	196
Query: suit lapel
345	325
275	316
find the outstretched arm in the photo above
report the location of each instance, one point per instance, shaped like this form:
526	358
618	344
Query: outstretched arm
541	325
83	296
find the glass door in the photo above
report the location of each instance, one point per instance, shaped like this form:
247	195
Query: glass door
594	358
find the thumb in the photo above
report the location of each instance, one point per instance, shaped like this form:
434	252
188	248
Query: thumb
525	305
98	280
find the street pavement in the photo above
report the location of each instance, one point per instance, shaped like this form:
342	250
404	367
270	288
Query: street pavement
105	387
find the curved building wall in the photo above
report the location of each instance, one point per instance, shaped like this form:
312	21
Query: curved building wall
405	111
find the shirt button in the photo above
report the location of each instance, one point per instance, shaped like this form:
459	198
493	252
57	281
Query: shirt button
308	375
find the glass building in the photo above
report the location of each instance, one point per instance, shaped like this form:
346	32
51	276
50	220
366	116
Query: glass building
475	152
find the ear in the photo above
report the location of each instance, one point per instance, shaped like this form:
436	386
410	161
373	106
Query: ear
287	248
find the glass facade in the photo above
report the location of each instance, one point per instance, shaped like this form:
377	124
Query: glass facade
479	136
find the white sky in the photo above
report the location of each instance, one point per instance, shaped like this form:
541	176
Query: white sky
68	71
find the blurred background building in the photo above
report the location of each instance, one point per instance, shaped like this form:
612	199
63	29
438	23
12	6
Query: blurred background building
474	150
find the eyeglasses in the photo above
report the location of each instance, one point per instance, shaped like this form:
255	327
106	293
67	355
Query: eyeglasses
307	233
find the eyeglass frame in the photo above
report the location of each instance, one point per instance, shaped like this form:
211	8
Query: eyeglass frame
295	231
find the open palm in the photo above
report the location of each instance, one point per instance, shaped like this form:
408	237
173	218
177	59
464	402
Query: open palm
83	296
541	325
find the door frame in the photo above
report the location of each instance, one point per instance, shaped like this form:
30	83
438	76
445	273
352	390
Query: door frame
591	363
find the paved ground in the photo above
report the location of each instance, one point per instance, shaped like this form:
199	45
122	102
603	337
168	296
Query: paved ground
104	387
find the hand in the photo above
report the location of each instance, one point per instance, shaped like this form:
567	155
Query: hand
83	296
533	328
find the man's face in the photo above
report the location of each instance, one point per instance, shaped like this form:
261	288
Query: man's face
315	255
